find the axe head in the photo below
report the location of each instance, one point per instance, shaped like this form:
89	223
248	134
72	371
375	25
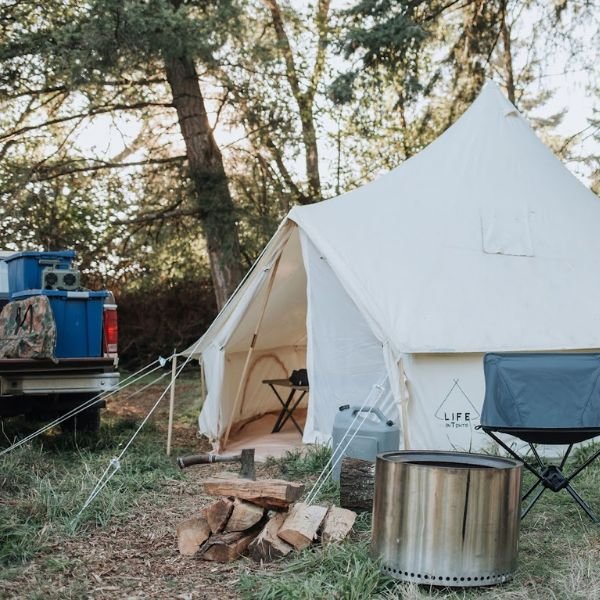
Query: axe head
247	470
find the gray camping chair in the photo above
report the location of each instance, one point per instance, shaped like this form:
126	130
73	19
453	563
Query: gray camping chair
550	399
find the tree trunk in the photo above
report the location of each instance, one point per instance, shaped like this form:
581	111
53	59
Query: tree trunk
305	99
309	137
212	197
507	57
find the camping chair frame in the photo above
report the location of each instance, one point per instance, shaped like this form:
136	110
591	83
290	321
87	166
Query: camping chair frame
549	476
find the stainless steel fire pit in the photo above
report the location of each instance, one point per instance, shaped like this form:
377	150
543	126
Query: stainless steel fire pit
447	518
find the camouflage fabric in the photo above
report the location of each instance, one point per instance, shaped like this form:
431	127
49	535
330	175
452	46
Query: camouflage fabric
27	329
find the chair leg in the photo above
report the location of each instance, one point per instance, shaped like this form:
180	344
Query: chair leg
563	462
548	482
515	455
583	466
584	505
537	456
530	505
528	492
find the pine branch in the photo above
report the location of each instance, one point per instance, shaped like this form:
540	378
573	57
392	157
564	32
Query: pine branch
63	88
90	113
102	166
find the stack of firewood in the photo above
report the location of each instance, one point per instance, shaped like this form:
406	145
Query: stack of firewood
263	518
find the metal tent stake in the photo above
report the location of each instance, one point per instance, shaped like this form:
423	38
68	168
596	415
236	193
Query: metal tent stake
171	401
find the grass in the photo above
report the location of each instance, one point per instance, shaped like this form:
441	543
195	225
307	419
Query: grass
559	554
336	571
307	464
44	484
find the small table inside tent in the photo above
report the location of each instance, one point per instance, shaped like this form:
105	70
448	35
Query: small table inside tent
290	404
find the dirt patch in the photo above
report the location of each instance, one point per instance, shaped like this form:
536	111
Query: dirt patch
140	558
132	405
136	558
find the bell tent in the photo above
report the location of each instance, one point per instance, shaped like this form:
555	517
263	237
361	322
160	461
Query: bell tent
392	293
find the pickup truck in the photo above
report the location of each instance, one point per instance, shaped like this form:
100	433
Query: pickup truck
48	388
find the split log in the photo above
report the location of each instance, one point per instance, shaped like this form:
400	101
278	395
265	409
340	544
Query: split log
357	484
337	524
191	534
269	493
226	547
244	516
301	524
268	546
217	514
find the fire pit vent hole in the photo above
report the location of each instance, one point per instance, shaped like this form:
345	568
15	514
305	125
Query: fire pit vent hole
445	580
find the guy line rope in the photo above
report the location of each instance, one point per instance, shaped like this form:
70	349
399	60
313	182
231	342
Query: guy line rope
133	378
115	463
377	389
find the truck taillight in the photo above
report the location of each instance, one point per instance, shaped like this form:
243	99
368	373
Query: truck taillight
111	330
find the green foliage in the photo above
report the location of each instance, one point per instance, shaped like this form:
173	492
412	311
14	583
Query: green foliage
307	464
157	314
80	46
391	34
584	452
404	72
79	66
428	61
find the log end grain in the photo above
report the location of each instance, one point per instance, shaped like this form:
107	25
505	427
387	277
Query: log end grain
301	525
268	546
191	534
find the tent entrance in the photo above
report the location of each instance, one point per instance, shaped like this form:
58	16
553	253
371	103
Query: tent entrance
269	342
295	313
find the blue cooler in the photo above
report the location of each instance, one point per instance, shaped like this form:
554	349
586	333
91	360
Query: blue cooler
25	268
78	317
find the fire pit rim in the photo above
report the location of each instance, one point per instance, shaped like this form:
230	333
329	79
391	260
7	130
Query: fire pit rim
438	459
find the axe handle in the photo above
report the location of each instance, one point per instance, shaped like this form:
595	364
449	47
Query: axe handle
205	459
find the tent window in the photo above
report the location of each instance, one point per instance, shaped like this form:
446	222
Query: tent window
505	230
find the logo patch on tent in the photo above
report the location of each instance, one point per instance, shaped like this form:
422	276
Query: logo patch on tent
456	410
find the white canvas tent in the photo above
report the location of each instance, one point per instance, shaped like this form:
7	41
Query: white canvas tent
482	242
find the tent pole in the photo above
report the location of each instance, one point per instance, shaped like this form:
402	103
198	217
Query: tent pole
404	406
171	400
238	396
202	381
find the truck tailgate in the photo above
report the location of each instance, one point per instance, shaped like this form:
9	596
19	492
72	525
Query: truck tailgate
70	375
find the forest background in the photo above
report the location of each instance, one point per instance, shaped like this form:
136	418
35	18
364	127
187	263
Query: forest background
164	140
